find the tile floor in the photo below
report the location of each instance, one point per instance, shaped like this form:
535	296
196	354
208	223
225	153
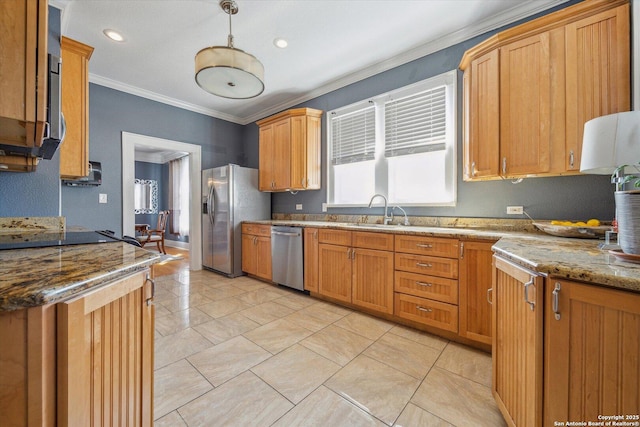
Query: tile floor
242	352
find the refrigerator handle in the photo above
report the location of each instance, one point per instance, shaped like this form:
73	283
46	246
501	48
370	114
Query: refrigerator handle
210	204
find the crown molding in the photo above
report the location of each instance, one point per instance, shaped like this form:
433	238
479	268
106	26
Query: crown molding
133	90
522	11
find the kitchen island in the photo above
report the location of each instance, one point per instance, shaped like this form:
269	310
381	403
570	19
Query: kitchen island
76	327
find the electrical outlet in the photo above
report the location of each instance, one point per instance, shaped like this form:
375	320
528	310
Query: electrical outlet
324	207
102	198
298	206
515	210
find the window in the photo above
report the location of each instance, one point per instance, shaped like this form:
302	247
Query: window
401	144
179	196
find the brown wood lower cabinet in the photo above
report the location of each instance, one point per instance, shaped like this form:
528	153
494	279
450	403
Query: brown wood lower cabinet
475	282
517	344
87	361
589	346
311	259
356	270
256	250
592	354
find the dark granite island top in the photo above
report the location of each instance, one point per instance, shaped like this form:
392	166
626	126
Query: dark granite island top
38	276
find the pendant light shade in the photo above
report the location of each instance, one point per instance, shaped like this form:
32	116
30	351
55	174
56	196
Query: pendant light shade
226	71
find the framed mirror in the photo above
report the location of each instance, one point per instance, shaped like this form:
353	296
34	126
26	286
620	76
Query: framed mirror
145	196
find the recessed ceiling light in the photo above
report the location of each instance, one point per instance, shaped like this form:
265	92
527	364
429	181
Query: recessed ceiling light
113	35
280	42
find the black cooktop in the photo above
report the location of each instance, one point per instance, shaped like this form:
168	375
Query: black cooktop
48	239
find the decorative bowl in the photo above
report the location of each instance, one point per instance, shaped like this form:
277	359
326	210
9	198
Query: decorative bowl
580	232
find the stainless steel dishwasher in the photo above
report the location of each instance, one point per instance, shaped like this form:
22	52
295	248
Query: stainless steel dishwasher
286	256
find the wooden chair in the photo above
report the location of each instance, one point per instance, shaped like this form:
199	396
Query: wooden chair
157	234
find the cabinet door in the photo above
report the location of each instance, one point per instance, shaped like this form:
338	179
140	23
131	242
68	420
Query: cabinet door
23	67
263	257
517	344
249	254
482	118
311	259
525	141
266	156
298	139
591	354
475	281
105	355
282	155
314	156
334	274
598	73
74	153
372	284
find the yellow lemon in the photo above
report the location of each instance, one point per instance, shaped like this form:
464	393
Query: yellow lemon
593	223
556	222
580	224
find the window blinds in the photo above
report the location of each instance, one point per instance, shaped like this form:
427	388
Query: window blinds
416	124
353	136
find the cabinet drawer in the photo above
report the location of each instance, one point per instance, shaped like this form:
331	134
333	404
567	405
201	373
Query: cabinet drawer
366	240
426	311
257	229
424	245
420	285
432	266
334	237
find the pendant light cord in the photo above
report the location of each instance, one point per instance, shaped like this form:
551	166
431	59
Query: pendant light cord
230	38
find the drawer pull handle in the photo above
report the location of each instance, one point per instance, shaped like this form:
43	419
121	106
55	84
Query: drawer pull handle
556	309
489	292
424	284
424	245
423	264
426	310
532	304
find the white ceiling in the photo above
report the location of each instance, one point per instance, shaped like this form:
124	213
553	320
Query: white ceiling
332	43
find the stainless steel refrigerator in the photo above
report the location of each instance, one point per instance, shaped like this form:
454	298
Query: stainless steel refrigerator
229	196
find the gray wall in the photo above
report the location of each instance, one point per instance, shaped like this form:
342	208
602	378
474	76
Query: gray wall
575	197
36	193
110	113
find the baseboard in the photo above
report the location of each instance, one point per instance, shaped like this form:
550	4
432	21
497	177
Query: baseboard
176	244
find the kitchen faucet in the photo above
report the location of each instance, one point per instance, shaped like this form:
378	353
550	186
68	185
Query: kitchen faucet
387	218
406	219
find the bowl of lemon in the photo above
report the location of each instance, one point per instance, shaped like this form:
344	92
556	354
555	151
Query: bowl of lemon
590	229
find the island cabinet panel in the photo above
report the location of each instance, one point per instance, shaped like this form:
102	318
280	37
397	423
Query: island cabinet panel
598	73
105	355
592	343
517	344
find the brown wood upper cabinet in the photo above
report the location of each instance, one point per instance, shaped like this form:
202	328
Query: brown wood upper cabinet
23	67
529	90
290	151
74	152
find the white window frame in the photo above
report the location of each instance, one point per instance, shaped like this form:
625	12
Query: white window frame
449	79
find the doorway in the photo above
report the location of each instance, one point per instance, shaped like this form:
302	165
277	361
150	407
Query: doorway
129	143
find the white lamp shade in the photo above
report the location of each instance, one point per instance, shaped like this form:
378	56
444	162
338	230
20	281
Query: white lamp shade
229	72
610	141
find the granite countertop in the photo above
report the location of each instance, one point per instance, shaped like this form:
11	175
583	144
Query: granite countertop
555	257
37	276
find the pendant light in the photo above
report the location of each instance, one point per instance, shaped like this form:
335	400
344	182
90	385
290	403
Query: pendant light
226	71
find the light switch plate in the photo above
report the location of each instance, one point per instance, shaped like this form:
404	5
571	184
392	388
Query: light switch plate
324	207
102	198
515	210
298	206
